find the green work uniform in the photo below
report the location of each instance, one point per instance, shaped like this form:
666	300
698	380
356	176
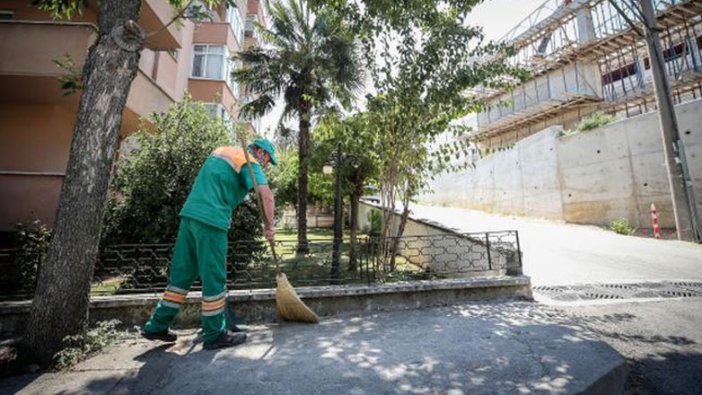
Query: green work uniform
201	244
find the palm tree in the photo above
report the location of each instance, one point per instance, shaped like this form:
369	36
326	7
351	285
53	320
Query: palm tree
308	59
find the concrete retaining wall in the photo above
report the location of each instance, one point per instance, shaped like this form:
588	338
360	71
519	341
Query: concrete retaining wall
592	177
258	306
443	256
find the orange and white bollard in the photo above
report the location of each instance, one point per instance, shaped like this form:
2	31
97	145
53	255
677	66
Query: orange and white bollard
656	225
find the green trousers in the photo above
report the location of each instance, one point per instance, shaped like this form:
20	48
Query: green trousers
201	250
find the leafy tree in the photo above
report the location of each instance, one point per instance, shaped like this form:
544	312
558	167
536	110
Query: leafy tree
284	179
60	305
423	60
308	59
358	144
152	183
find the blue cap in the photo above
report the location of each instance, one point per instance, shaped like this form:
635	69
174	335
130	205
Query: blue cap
267	146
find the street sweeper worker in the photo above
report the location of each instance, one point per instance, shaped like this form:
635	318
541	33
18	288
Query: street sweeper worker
201	245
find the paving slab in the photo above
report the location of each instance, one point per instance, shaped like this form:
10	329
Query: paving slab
472	348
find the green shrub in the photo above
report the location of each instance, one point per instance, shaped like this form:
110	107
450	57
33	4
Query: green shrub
79	347
621	226
154	179
32	240
375	218
593	121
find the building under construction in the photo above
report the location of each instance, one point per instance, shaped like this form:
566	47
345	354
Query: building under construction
586	56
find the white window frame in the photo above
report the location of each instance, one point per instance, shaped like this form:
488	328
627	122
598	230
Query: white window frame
218	111
207	54
236	23
234	65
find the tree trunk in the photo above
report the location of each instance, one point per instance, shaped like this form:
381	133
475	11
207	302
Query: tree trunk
355	197
61	301
303	153
400	230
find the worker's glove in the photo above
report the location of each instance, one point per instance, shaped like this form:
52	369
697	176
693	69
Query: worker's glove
269	235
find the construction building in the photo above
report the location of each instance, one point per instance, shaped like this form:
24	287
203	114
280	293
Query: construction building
38	119
586	57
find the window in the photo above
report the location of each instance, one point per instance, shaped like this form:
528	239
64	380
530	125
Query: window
210	61
6	15
217	110
235	21
234	65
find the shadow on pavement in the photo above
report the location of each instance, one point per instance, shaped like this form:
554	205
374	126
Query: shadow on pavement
501	348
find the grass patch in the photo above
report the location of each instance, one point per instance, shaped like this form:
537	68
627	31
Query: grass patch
622	227
80	347
106	287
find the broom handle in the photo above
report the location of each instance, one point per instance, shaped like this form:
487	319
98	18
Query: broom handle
260	202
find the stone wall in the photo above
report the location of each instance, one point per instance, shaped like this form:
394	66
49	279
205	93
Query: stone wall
591	177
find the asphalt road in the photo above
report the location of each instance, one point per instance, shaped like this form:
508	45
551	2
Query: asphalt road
661	338
556	253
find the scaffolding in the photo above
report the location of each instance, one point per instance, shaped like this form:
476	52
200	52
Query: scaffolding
585	56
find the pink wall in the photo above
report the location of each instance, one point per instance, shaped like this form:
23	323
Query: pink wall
35	137
27	197
33	158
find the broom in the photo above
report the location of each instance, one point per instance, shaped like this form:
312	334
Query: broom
288	304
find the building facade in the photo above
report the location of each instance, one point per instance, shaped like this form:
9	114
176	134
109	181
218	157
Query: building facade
585	57
38	119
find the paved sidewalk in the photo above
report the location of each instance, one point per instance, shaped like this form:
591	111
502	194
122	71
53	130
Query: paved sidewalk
477	348
556	253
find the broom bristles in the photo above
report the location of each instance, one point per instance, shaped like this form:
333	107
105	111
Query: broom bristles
290	307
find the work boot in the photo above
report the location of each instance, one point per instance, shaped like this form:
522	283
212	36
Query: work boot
224	340
166	336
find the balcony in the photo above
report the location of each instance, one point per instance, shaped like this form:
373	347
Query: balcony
216	33
30	47
214	91
28	73
155	15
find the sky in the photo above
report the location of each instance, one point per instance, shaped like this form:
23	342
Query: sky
496	16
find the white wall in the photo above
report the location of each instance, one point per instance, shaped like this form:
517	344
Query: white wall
592	177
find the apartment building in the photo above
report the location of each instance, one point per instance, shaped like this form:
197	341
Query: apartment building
38	119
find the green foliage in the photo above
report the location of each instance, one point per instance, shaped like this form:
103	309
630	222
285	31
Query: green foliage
71	79
594	121
309	59
376	223
283	179
154	179
79	347
622	226
357	141
184	8
32	240
61	8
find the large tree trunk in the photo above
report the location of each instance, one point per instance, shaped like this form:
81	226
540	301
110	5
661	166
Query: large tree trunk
304	153
60	306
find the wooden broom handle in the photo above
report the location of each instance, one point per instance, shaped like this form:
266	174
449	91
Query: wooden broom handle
261	210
